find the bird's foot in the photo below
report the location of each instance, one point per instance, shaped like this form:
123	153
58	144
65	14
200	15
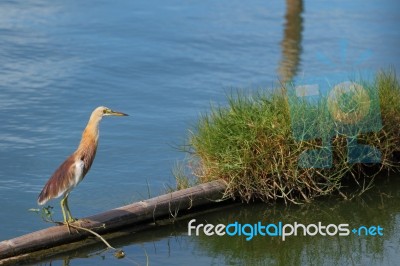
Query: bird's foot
69	228
71	220
67	223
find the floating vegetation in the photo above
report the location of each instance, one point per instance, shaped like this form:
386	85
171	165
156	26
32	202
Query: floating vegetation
270	146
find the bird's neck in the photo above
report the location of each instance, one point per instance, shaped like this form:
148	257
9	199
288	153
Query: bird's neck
90	135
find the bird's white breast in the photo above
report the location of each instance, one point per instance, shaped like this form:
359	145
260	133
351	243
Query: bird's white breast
76	178
78	172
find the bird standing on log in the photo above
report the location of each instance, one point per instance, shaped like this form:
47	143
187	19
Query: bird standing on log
73	170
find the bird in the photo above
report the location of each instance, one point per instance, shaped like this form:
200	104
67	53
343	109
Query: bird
72	171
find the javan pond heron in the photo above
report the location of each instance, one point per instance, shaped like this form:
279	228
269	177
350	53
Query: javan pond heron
75	167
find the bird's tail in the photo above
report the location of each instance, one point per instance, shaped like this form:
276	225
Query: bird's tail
51	190
42	199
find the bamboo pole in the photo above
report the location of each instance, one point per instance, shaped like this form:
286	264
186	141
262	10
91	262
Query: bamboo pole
164	206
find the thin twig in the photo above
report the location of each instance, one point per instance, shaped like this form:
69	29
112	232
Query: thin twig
94	233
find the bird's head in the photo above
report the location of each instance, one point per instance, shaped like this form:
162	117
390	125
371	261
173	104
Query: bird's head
101	111
108	112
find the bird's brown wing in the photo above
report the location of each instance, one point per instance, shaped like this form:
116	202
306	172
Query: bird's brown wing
60	181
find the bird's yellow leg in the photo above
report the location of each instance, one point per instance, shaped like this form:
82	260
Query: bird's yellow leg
63	210
69	216
63	206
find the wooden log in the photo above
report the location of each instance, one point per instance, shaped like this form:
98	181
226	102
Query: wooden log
119	238
161	207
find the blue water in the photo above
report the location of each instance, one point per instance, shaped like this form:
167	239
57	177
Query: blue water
162	62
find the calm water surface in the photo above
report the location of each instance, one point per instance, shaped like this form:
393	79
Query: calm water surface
164	62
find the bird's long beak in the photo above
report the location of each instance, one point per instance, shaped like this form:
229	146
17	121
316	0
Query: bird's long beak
115	113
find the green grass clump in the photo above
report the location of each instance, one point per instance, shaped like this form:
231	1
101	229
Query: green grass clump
250	144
